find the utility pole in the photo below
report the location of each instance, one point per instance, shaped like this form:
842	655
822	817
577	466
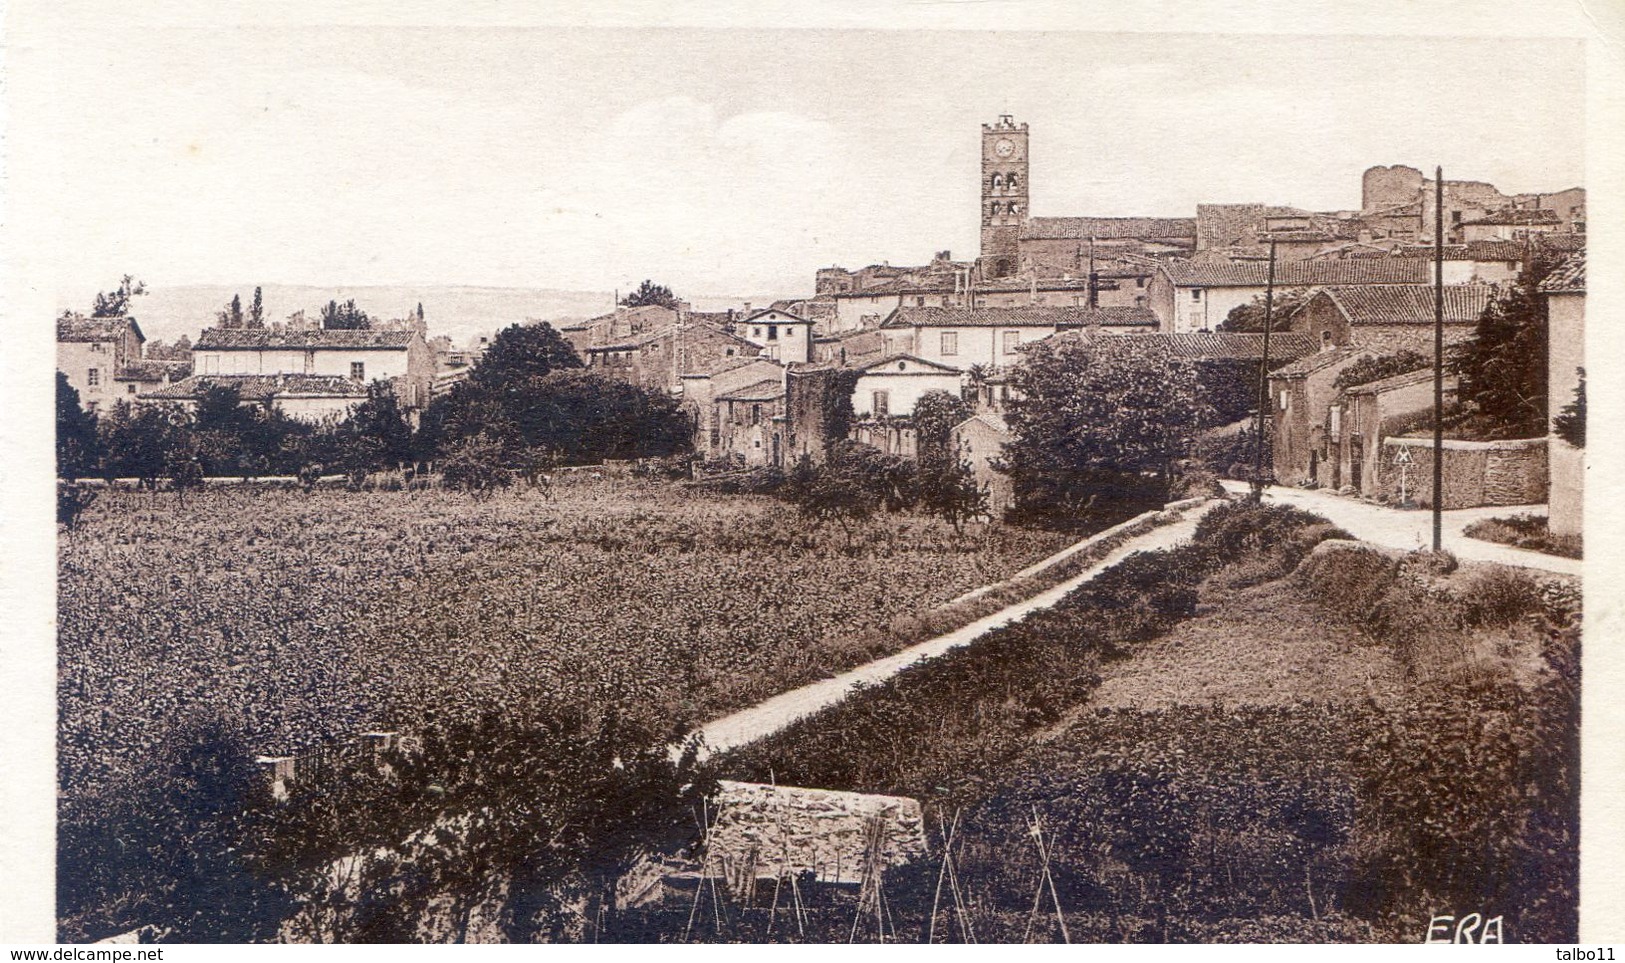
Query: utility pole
1438	358
1264	379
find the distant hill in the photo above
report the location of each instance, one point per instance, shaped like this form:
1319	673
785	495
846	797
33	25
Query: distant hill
460	312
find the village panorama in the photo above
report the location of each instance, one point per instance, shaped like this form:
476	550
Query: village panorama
1210	578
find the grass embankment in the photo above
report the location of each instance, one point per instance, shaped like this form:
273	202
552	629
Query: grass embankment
1526	531
1267	734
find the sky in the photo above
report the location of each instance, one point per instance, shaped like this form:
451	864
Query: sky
728	161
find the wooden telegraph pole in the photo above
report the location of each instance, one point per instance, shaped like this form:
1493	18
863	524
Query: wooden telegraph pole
1438	358
1264	379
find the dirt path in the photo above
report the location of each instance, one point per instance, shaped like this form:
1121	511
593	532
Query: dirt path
1414	529
766	718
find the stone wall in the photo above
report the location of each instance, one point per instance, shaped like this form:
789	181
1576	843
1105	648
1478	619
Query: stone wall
1476	473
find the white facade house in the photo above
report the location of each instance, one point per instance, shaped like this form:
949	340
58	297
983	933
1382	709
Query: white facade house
399	356
892	386
992	338
784	337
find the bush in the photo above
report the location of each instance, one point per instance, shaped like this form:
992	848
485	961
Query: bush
72	499
476	466
1529	532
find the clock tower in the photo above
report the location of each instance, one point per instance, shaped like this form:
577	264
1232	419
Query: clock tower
1004	194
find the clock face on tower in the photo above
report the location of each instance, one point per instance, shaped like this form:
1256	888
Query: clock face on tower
1004	148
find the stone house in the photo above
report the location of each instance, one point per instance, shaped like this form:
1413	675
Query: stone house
657	360
700	391
397	355
1508	224
1301	396
1192	296
139	378
980	441
622	324
1565	294
1363	416
751	423
1053	246
92	352
1389	318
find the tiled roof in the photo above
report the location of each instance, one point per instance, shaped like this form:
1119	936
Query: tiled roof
256	339
1568	276
1409	303
1395	382
1498	250
899	363
764	311
154	370
1297	273
261	387
765	390
1206	345
77	327
1107	228
1310	363
1516	216
992	419
1037	315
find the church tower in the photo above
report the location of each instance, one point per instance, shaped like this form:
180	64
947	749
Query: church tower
1004	194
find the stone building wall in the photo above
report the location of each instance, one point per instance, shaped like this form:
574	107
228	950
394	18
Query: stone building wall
1476	473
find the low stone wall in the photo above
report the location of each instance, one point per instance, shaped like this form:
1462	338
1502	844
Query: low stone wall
1476	473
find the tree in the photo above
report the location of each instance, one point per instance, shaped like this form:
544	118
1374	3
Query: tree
183	465
1249	318
256	310
76	445
137	443
475	465
650	293
1570	423
522	351
1502	368
380	419
117	303
935	415
344	317
1367	370
72	499
1102	420
948	490
831	491
231	316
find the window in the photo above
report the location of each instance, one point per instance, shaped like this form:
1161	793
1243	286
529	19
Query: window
755	414
1196	294
880	404
730	352
919	302
1283	400
358	371
1012	181
93	378
997	182
756	332
950	343
772	332
1455	217
1012	341
1014	208
96	346
131	390
993	209
1139	282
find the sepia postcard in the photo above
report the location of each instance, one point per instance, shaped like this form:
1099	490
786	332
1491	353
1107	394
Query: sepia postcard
900	474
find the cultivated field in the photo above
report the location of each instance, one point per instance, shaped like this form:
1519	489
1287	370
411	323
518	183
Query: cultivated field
303	617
